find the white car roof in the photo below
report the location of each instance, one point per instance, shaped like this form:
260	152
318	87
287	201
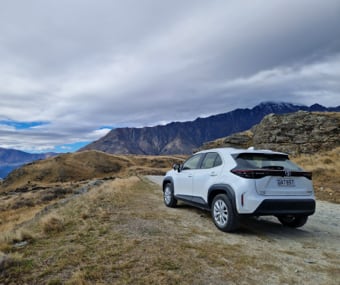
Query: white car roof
230	150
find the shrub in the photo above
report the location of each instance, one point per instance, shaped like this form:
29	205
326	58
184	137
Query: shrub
52	224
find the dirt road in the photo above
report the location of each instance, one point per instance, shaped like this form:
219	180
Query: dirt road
308	255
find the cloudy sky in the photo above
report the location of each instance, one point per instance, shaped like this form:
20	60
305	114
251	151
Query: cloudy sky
72	69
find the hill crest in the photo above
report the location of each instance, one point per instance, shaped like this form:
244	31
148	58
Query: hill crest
80	167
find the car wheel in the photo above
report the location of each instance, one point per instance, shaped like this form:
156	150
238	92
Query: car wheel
168	196
223	214
293	221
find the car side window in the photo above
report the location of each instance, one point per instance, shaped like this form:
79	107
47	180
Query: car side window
192	162
211	159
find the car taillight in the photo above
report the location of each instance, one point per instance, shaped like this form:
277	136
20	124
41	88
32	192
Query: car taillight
308	175
252	174
259	173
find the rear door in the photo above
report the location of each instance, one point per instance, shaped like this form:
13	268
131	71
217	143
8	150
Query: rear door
283	177
285	183
275	174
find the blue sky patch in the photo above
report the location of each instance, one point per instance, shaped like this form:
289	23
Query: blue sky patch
22	125
72	147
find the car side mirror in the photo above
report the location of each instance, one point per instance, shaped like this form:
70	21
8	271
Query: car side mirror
177	167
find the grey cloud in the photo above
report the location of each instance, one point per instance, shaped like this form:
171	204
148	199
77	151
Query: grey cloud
83	64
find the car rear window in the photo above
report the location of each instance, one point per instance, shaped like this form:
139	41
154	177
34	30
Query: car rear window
265	161
211	159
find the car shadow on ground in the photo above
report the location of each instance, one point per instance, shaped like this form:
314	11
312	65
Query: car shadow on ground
259	226
270	226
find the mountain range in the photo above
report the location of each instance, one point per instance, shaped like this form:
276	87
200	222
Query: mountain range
11	159
184	137
173	138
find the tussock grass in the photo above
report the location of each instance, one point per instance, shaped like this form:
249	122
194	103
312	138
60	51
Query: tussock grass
78	278
121	233
116	234
52	224
9	219
8	239
10	260
325	167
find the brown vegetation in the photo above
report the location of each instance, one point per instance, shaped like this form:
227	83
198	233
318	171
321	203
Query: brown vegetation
121	233
29	189
325	167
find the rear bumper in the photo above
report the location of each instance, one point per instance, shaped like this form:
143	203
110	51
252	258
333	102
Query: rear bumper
286	207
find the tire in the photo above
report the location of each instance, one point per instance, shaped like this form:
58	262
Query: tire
293	221
168	196
223	214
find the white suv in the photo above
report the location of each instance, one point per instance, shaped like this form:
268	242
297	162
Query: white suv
235	182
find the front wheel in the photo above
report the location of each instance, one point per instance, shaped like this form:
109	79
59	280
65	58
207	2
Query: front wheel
293	221
223	214
168	196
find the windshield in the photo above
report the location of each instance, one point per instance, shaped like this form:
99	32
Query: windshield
265	161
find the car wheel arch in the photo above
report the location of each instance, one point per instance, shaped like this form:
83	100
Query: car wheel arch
216	189
167	180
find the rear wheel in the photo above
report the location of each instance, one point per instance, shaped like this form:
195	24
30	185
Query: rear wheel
168	196
293	221
223	214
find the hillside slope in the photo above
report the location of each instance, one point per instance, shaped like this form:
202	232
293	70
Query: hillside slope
183	137
82	166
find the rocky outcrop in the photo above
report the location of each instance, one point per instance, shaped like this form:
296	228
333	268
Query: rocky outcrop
300	132
296	133
238	140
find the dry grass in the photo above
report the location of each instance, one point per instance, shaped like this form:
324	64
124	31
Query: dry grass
77	278
52	224
30	189
10	238
116	235
326	173
16	208
121	233
10	218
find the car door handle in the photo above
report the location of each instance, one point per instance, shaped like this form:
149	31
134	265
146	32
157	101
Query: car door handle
213	174
189	175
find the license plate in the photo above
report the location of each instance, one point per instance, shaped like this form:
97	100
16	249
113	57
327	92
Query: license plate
285	182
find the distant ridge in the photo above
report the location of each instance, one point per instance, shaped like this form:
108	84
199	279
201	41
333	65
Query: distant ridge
11	159
184	137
